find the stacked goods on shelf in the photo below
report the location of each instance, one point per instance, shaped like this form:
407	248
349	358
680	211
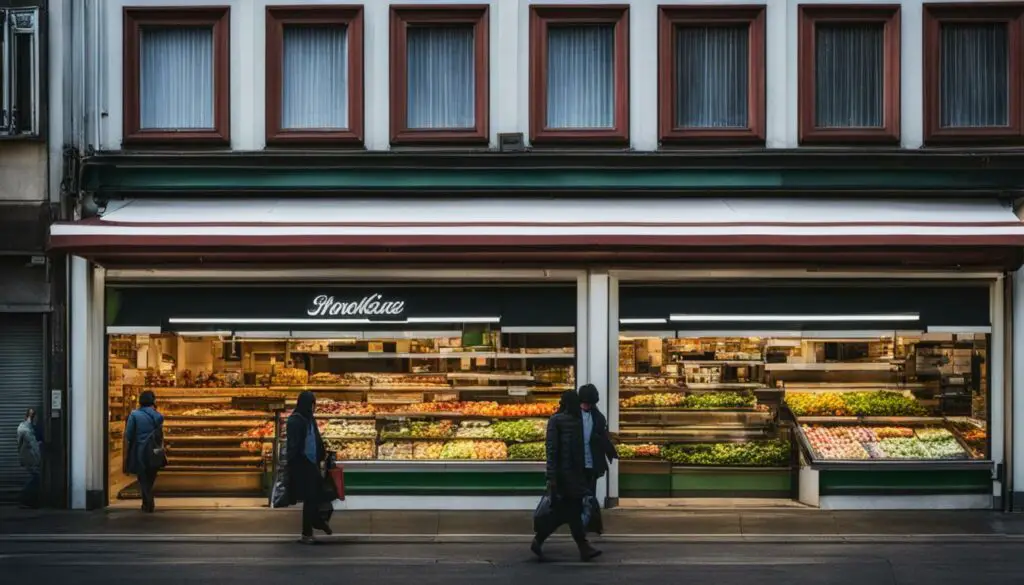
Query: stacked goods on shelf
520	431
974	437
475	429
348	429
527	451
648	382
867	442
880	403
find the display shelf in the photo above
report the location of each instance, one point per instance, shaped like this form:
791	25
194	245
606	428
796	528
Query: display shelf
363	355
835	367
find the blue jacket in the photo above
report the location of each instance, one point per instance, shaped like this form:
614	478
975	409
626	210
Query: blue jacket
138	429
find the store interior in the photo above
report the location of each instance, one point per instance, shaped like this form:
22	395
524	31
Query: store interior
473	393
734	415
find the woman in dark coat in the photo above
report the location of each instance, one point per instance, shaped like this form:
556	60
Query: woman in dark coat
305	450
566	475
602	449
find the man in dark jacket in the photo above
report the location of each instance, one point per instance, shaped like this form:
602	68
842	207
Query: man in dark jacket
566	477
600	451
305	450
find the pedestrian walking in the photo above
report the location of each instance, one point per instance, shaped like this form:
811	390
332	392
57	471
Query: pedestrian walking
31	458
599	450
143	450
305	451
566	477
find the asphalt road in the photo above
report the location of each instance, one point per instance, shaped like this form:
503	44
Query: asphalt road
68	563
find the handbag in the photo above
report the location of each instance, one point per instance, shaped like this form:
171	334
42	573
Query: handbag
154	456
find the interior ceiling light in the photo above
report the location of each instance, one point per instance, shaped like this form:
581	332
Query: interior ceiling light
797	318
641	320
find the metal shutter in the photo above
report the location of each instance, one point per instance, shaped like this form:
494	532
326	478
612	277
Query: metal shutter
21	388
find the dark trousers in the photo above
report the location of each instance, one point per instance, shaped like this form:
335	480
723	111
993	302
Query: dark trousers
146	481
30	492
592	478
311	494
568	510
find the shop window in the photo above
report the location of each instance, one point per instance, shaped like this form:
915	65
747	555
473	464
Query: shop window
20	97
314	75
579	74
974	71
176	81
849	74
711	83
439	75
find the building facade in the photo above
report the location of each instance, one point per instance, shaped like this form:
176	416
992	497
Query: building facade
783	239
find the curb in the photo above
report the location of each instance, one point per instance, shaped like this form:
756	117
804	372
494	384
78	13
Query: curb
521	538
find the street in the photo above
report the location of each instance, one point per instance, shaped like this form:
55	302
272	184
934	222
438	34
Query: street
884	563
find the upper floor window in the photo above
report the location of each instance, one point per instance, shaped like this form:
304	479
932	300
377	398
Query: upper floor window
19	72
439	75
314	75
176	81
849	71
974	72
579	74
711	81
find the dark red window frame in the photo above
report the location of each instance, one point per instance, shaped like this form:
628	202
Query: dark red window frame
934	16
809	17
669	20
402	17
541	17
217	17
351	17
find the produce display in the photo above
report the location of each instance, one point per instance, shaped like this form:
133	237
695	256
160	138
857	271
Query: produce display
706	401
348	450
882	403
852	443
349	429
475	429
520	431
643	451
975	437
773	453
527	451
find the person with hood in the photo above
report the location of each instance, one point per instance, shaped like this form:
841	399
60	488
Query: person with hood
305	451
31	459
599	451
142	423
566	476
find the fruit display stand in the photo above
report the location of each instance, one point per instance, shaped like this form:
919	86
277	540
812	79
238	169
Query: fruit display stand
712	442
907	460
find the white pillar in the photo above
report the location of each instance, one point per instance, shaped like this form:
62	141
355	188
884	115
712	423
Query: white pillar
86	338
1016	447
597	372
997	405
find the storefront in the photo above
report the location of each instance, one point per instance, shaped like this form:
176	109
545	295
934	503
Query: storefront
831	359
860	392
425	390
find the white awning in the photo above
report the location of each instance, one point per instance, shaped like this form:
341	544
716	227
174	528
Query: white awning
308	222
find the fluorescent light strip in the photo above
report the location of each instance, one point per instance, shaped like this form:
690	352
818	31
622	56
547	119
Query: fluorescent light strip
795	318
452	320
372	335
641	321
745	333
843	335
270	321
966	330
133	330
326	335
202	333
274	335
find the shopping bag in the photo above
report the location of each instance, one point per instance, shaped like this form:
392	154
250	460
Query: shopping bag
338	477
544	515
592	522
279	497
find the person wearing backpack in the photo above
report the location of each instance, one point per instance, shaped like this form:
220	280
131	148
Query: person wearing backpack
143	452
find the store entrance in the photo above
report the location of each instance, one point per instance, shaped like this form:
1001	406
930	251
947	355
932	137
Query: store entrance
735	397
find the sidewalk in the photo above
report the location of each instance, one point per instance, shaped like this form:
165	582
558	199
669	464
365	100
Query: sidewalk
662	525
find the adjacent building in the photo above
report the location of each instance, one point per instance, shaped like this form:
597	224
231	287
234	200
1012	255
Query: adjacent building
783	239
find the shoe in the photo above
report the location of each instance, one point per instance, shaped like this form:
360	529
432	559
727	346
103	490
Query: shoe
535	548
307	540
587	552
326	529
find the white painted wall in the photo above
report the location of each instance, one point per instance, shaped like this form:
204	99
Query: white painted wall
509	67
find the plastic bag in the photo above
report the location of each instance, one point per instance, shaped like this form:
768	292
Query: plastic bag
279	493
592	515
544	514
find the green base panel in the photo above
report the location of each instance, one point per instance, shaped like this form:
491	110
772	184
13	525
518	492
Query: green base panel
359	483
646	483
731	483
904	482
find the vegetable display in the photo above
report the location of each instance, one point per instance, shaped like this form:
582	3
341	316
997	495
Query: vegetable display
645	451
520	431
880	403
852	443
755	454
706	401
527	451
